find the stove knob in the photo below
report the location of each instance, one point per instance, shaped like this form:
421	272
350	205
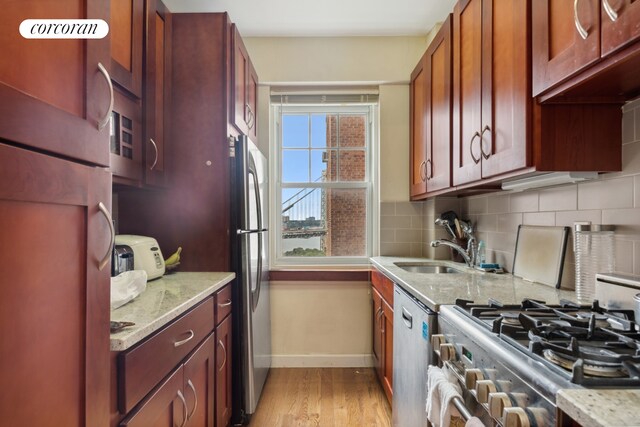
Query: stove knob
497	403
447	352
483	389
515	417
471	376
436	341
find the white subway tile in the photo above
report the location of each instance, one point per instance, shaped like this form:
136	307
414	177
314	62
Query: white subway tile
478	205
563	198
395	249
395	221
627	221
636	258
408	208
416	250
628	127
606	194
508	222
524	202
631	158
636	190
444	204
387	235
539	218
498	203
417	222
624	256
569	217
487	222
388	208
503	242
408	236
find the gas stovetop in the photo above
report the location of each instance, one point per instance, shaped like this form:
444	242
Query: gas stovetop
587	345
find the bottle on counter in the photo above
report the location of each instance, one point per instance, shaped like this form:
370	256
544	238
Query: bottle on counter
482	253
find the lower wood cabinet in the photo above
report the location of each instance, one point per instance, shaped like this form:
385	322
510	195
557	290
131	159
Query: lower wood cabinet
382	292
223	373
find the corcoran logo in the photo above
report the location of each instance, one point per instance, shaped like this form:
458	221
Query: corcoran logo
64	29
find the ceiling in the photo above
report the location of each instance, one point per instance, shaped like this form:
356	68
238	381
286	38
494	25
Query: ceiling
324	18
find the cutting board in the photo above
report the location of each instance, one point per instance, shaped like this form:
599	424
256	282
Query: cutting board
539	255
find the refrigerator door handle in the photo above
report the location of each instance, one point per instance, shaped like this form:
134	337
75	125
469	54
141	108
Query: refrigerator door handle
252	231
255	294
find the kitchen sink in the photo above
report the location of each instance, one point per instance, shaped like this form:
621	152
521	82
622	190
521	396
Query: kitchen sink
427	269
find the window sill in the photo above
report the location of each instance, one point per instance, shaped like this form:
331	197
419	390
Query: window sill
321	275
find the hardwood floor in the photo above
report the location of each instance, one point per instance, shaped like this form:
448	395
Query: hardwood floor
326	397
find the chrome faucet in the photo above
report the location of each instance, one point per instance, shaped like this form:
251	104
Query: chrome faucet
469	254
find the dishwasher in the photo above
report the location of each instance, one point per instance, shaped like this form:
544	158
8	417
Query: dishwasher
413	324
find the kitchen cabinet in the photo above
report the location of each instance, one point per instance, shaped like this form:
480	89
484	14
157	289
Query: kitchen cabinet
55	94
185	398
491	95
54	311
568	37
157	100
223	373
382	292
244	112
125	27
430	105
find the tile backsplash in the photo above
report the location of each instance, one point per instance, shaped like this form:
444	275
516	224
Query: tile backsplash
613	198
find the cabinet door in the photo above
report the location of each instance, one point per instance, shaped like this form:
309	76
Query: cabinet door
252	102
53	93
157	92
54	310
565	39
387	339
223	373
241	109
164	407
418	117
620	24
199	384
125	27
505	87
126	138
467	91
438	115
377	331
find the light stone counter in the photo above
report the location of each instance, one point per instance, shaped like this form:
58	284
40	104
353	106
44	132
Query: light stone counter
435	290
601	408
163	300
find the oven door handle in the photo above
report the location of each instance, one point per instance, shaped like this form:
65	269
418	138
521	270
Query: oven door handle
407	318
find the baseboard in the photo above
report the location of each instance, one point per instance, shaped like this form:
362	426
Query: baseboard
321	361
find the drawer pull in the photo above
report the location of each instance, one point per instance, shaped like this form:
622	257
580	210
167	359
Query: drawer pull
613	15
186	340
576	20
155	148
184	409
224	362
195	396
225	304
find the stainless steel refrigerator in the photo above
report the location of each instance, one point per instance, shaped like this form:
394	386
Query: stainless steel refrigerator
252	320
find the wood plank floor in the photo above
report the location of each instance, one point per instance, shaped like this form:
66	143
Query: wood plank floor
326	397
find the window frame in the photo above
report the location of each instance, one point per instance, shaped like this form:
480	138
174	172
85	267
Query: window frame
370	184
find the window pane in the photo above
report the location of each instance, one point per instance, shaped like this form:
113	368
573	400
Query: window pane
320	160
324	222
295	131
295	165
320	130
352	165
352	131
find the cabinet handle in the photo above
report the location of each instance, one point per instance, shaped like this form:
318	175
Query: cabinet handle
155	147
184	409
104	261
224	362
423	175
486	156
184	341
428	171
195	396
583	33
252	118
225	304
475	160
102	123
613	15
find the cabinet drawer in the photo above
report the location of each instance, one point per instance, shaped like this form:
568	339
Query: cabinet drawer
141	368
383	284
223	303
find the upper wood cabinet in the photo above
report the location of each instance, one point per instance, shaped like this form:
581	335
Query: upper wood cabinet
54	310
570	36
157	100
491	95
55	93
125	27
430	105
244	109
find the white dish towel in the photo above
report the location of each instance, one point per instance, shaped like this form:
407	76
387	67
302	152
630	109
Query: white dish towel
442	388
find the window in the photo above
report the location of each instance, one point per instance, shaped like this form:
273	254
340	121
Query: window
323	177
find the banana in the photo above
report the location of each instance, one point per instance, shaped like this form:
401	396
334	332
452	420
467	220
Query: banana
174	258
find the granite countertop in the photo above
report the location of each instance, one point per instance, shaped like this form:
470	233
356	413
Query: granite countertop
601	407
163	300
435	290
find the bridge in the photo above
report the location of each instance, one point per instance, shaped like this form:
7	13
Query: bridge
299	212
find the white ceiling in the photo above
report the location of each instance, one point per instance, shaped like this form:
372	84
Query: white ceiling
299	18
